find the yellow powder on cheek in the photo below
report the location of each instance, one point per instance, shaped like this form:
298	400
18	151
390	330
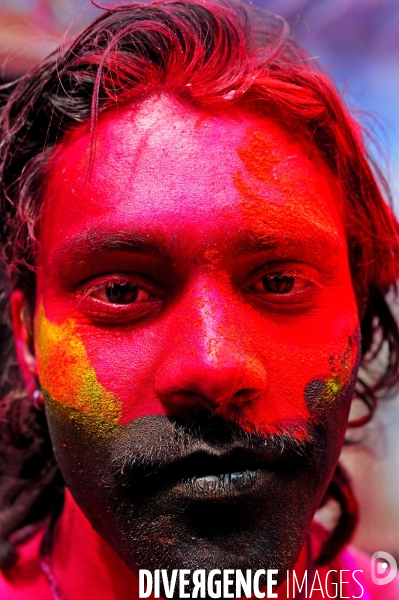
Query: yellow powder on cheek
331	390
66	374
341	374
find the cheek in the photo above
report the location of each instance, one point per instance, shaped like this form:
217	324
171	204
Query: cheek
126	362
66	373
308	367
312	372
107	376
112	374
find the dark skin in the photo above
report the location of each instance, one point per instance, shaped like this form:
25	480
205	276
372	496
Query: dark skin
195	335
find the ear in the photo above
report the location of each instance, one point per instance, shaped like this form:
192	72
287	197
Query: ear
23	337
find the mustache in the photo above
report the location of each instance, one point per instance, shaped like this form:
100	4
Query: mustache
160	447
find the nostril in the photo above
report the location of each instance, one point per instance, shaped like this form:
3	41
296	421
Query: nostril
186	402
211	405
245	396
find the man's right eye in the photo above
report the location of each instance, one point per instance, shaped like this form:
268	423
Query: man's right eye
121	293
120	299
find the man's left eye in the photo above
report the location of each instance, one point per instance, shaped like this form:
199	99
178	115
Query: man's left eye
121	293
280	283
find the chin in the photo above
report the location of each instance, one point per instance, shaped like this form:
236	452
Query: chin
218	499
254	531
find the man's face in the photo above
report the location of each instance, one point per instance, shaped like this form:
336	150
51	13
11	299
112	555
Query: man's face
196	334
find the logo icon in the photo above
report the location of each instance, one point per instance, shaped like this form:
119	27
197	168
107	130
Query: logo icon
380	573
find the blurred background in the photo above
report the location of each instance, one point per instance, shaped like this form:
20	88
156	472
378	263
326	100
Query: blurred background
357	41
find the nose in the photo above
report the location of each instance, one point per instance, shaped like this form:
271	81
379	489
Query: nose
211	365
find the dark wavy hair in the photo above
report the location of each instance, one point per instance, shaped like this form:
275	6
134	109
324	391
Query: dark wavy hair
212	55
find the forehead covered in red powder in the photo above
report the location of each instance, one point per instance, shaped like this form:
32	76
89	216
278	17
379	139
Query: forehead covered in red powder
163	154
202	206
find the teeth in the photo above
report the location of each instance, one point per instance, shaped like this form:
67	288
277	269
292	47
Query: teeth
211	484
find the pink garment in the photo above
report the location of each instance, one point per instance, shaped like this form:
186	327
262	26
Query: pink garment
26	581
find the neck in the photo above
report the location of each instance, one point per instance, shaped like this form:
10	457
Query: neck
82	560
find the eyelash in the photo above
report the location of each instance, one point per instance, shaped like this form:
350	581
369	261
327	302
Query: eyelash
297	298
288	280
152	300
101	309
133	288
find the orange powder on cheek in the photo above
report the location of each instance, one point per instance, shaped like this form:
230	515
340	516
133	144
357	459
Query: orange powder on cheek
66	374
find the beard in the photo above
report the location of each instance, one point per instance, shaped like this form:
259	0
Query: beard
170	494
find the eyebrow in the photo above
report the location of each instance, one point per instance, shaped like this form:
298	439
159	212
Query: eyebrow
154	243
254	242
102	242
250	242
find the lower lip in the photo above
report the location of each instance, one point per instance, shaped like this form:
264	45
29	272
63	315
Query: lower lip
225	485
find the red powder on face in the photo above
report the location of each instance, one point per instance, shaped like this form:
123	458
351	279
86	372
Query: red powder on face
300	193
203	195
